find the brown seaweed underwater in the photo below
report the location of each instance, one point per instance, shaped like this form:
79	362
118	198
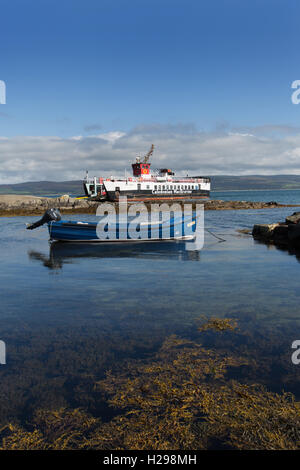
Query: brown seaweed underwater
184	396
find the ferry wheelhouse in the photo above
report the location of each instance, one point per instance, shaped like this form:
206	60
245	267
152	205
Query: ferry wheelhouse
147	185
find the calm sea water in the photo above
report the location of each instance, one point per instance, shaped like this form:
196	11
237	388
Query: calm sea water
69	313
283	196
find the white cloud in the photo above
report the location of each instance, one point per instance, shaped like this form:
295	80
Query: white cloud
181	147
241	134
111	136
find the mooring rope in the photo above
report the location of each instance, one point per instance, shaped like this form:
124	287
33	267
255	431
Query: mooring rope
216	236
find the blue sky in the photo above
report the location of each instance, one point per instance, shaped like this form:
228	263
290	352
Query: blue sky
81	68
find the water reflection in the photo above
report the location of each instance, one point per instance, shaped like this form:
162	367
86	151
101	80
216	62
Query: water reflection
290	249
115	302
60	253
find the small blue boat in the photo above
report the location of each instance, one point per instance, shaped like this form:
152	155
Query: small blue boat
172	228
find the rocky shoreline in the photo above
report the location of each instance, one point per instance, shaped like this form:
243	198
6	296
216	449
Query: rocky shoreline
19	205
285	233
15	205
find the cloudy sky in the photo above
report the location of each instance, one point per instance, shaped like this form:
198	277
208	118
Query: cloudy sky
91	84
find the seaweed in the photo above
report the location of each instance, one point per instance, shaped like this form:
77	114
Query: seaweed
181	397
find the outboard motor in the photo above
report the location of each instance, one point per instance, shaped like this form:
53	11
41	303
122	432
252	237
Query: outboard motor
50	215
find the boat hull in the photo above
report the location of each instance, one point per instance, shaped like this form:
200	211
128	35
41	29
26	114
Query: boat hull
114	196
71	231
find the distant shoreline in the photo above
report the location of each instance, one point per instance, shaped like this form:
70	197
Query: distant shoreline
247	190
25	205
57	195
219	183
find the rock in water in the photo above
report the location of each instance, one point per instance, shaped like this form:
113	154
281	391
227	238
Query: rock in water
264	231
281	234
293	219
294	233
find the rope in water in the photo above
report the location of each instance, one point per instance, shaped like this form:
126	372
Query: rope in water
216	236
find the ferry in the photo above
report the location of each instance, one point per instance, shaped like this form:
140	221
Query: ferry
146	185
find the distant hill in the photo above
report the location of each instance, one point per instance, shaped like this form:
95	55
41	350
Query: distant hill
43	188
230	183
219	183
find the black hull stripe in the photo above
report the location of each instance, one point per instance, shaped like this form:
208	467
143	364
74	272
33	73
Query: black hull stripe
140	195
